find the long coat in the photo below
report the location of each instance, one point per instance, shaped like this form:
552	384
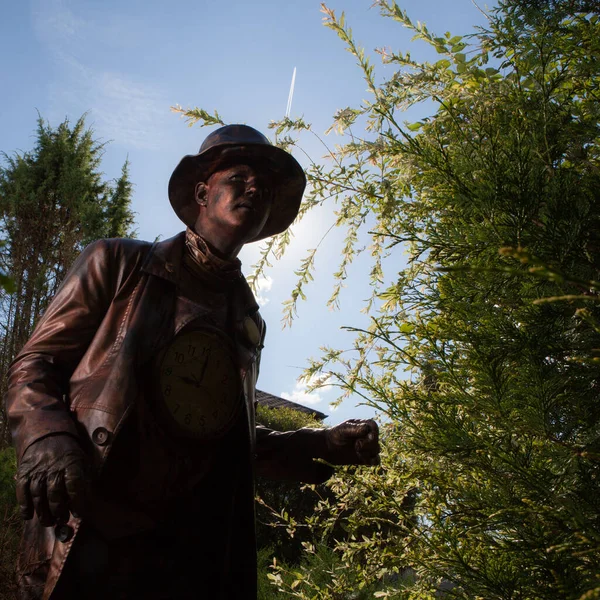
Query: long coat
77	375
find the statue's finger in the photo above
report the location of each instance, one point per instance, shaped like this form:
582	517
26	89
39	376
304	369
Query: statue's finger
369	458
361	453
77	486
24	498
372	430
57	497
356	429
371	445
37	487
368	451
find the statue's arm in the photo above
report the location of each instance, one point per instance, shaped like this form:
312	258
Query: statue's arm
38	378
290	455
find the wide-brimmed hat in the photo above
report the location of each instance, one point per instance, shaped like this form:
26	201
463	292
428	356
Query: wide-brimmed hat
239	143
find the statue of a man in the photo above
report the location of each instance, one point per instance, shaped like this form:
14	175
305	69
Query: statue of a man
132	405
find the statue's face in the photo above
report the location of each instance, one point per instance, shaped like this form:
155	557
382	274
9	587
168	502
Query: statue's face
234	205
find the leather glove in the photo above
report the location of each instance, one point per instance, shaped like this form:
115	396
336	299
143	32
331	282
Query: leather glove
52	480
353	442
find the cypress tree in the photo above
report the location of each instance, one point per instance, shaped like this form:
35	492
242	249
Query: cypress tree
483	352
53	202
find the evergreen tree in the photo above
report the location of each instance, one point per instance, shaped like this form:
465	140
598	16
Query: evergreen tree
53	202
483	352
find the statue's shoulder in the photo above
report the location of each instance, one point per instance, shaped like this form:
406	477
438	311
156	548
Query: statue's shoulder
119	249
125	245
128	245
113	256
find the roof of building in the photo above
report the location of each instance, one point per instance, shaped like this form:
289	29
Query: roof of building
270	401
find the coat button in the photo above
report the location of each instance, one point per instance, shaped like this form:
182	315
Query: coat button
63	533
101	436
169	267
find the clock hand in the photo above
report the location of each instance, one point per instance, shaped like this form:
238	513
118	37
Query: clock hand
204	366
188	380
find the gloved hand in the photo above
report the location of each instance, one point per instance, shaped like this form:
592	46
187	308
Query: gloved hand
353	442
53	480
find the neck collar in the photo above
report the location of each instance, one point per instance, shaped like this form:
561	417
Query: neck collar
206	262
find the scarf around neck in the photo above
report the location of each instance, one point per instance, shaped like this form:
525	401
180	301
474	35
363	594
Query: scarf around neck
206	263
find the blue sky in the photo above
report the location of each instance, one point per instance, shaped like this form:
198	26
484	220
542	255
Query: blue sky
125	62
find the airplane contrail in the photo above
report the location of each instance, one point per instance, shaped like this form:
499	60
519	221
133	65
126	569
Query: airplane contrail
289	104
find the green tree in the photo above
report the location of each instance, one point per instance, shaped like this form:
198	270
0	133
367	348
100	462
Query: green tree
483	351
53	202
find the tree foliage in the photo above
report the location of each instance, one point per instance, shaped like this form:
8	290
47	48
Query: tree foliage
10	523
483	350
53	202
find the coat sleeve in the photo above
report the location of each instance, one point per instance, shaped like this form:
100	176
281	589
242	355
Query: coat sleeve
38	378
290	455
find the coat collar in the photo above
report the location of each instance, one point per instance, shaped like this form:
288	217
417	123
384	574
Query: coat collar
164	258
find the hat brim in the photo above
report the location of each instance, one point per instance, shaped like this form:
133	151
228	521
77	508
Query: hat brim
288	179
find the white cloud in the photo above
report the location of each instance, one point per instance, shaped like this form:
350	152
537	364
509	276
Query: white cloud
121	108
54	22
264	285
301	395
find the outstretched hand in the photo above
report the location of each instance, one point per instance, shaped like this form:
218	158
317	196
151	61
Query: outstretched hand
353	442
52	480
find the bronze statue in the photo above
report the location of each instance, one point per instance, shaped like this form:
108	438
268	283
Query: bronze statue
132	404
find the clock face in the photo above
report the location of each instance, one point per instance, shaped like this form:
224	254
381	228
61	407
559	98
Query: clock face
200	384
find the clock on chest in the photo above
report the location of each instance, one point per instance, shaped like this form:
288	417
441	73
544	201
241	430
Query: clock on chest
200	384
